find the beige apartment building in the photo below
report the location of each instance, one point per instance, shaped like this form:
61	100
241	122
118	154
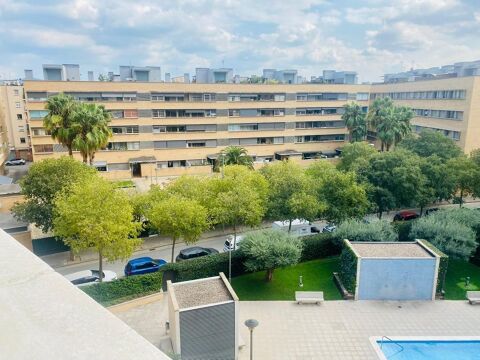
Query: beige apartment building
163	129
13	107
450	105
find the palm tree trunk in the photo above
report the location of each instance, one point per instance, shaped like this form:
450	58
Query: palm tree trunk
70	151
173	248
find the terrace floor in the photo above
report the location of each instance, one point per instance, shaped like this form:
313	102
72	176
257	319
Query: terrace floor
333	330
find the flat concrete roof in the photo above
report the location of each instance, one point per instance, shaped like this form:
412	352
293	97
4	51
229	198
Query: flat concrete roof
45	317
390	250
10	189
201	292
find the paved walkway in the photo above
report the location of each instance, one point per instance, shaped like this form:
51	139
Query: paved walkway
333	330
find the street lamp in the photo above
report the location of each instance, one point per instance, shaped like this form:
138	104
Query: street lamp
251	324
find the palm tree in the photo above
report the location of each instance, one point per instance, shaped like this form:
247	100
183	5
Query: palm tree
392	123
59	120
354	119
91	125
235	155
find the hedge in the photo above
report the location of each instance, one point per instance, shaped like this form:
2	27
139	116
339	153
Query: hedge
348	268
403	229
442	268
110	293
123	289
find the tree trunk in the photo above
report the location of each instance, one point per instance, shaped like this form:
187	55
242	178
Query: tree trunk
289	225
173	248
421	210
85	158
70	151
100	266
380	212
383	146
269	275
92	157
461	197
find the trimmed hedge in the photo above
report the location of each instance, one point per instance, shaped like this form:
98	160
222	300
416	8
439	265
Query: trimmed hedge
348	268
403	229
124	289
320	246
442	268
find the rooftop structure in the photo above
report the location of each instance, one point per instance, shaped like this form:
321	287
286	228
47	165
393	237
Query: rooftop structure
213	76
65	72
144	74
391	250
336	77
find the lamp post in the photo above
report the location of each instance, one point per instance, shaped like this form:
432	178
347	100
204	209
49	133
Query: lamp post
251	324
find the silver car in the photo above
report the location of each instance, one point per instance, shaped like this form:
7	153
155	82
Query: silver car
88	277
14	162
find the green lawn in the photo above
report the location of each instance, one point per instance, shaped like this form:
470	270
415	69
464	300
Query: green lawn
457	271
317	276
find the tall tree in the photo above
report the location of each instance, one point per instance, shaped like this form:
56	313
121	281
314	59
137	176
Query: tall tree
93	214
339	191
44	180
235	155
270	249
355	157
179	218
90	123
467	177
59	120
354	118
430	142
287	183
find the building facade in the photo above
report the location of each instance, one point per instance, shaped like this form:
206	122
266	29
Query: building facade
12	106
451	106
163	129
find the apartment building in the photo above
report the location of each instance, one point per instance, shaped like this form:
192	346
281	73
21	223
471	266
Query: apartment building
163	129
450	105
12	105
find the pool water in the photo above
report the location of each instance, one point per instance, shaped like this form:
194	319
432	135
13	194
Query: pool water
431	350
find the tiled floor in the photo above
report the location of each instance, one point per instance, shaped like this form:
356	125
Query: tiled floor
333	330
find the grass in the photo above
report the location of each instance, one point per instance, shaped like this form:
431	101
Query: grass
457	272
317	276
124	184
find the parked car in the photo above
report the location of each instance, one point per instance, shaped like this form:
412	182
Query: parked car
143	265
431	211
229	243
405	215
314	230
194	252
14	162
89	277
330	227
298	227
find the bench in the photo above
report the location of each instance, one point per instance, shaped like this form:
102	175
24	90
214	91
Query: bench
473	297
309	297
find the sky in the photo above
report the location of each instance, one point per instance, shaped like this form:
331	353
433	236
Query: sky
371	37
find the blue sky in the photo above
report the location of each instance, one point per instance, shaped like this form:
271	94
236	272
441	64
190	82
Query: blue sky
369	36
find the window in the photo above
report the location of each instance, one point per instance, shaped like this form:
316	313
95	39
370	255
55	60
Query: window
43	148
15	92
40	132
233	113
158	129
17	105
362	96
192	144
319	124
117	114
158	113
135	145
320	138
125	129
156	97
22	141
130	113
19	117
21	129
38	114
242	127
280	97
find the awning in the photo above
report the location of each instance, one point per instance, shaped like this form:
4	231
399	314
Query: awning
289	153
213	156
329	153
99	164
142	159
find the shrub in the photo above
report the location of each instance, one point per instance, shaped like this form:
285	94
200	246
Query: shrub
442	269
123	289
270	249
348	268
453	238
355	230
319	246
403	229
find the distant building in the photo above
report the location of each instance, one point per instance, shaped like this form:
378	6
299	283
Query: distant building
144	74
336	77
282	76
213	76
65	72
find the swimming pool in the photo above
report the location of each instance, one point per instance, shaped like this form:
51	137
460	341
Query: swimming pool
431	349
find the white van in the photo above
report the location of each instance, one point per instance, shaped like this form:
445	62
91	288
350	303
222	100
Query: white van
229	246
299	227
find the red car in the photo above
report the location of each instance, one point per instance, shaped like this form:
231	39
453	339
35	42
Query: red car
405	215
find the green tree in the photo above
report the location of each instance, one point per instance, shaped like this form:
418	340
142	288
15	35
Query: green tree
339	191
440	178
392	123
92	214
475	157
466	177
355	230
270	249
179	218
59	119
396	180
291	193
355	157
235	155
355	122
453	238
44	180
431	142
90	123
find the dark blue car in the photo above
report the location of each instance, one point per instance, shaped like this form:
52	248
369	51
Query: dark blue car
143	265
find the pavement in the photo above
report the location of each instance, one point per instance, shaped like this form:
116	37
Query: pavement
332	330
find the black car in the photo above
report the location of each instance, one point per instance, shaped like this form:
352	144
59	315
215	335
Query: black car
314	230
194	252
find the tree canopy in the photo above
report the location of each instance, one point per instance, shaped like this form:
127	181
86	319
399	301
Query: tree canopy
44	180
92	214
354	118
466	176
235	155
357	230
430	142
355	156
270	249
